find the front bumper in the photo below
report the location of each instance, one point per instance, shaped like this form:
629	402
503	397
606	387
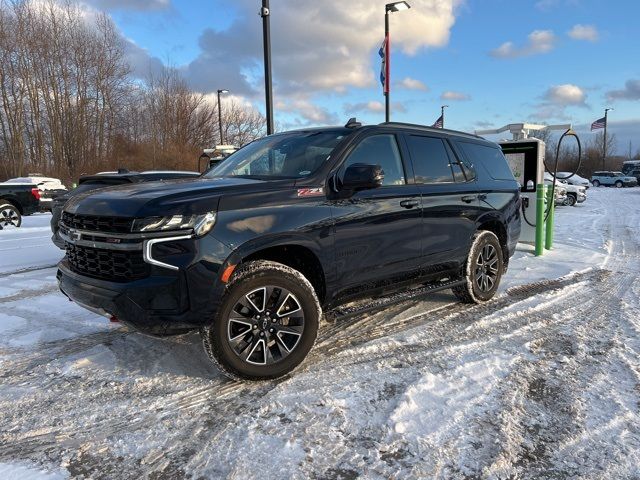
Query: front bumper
165	302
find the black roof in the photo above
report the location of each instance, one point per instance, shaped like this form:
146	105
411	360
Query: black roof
413	126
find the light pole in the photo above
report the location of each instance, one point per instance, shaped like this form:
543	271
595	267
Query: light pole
220	114
604	143
266	43
442	113
389	8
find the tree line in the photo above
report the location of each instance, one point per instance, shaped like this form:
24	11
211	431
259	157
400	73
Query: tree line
592	153
69	104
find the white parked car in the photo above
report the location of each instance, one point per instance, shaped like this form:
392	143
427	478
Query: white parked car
560	191
574	194
574	179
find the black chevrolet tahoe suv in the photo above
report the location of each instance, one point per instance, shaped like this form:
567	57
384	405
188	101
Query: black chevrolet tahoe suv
290	226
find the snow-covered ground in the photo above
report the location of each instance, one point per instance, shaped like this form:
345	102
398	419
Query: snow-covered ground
543	382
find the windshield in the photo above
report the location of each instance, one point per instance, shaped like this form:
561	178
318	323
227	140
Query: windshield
618	174
292	155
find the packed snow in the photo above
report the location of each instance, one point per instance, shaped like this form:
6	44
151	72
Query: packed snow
542	382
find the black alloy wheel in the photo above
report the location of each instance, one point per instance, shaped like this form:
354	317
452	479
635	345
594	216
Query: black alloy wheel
265	325
486	268
483	269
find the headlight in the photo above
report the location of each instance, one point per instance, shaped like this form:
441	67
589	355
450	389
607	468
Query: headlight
201	224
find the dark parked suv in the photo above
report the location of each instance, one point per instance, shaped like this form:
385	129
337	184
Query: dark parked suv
289	226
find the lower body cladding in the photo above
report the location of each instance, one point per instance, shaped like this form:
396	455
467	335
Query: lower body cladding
161	300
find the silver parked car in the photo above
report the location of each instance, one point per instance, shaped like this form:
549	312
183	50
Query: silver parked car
613	179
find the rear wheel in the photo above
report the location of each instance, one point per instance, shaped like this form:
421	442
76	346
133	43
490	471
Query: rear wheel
619	184
596	183
9	216
267	322
571	200
483	269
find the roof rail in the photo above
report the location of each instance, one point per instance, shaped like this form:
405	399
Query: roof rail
424	127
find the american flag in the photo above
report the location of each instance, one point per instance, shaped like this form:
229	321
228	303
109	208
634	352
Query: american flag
439	123
600	123
384	67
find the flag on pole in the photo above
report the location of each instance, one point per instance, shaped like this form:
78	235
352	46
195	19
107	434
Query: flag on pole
439	123
600	123
384	67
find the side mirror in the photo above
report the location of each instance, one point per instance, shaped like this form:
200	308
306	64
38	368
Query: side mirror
362	176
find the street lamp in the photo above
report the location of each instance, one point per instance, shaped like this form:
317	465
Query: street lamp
389	8
266	43
220	114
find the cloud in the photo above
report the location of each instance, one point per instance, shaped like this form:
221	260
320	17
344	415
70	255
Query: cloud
584	32
557	99
307	112
566	94
413	84
484	125
631	91
373	106
455	96
314	48
539	41
141	62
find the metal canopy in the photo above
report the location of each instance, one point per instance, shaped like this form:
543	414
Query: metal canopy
521	131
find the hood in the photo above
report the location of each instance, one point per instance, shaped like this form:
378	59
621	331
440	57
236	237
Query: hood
191	196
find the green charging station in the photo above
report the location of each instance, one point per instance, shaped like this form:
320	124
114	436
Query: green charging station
526	158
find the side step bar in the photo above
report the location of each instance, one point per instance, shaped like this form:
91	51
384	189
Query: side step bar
379	303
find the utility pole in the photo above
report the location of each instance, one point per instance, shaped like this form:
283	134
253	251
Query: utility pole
442	113
604	144
389	8
220	114
266	42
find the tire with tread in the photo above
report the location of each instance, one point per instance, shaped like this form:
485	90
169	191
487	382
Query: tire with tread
9	215
619	184
469	292
248	277
571	200
596	183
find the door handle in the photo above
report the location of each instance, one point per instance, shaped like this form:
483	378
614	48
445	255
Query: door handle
469	198
409	203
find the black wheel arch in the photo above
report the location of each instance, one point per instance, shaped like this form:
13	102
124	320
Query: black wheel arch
295	251
13	201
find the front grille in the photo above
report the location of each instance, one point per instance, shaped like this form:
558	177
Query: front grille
111	265
95	223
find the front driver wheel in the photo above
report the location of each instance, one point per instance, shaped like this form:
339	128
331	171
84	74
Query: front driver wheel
596	183
483	269
267	322
571	200
618	184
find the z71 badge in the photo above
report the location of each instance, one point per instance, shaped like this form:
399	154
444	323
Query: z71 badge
310	192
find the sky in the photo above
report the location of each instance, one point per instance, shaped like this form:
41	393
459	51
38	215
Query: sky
493	62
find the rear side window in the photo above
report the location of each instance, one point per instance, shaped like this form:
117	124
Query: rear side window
491	158
430	159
